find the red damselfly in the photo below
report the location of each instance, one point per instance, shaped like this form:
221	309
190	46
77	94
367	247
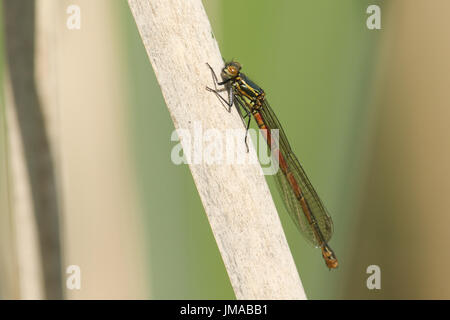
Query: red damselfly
301	200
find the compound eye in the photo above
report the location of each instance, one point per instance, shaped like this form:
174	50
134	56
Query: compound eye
232	70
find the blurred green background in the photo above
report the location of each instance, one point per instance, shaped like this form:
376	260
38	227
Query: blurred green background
366	112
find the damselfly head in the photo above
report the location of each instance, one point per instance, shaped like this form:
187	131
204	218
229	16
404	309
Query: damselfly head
329	257
231	70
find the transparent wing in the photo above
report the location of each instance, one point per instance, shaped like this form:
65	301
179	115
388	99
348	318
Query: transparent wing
320	219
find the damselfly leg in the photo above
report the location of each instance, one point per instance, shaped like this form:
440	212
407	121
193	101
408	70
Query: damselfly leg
230	102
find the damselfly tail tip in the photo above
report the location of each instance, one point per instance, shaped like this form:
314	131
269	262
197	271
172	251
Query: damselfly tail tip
329	257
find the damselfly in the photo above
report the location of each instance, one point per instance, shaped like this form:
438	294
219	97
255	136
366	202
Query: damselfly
301	200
